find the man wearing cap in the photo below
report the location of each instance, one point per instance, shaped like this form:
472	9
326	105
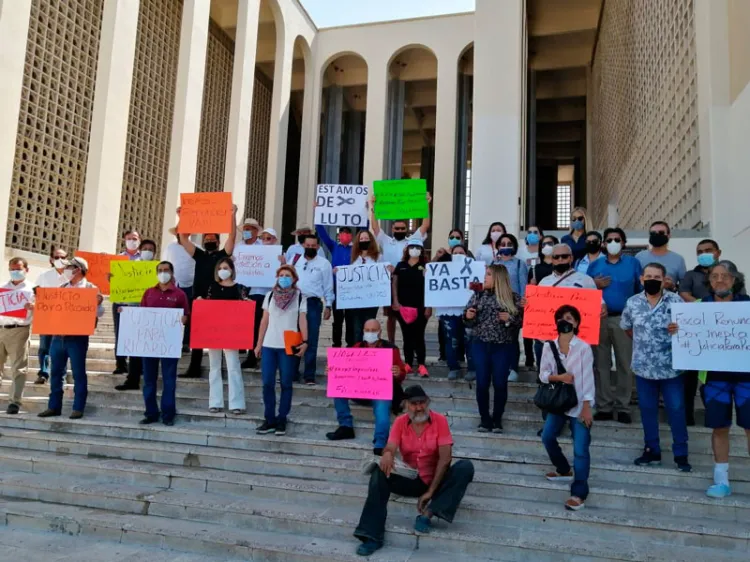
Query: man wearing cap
424	440
295	252
249	232
71	347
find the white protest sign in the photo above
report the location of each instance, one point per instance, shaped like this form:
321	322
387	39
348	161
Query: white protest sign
363	286
341	205
446	284
712	336
256	264
150	332
13	301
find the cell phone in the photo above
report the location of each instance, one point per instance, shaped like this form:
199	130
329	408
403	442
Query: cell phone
295	349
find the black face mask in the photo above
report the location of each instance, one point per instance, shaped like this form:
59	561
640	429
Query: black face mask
211	246
564	327
399	236
593	247
364	245
652	286
658	240
311	252
301	238
561	267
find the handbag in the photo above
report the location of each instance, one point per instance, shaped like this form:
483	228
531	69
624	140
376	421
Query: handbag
556	397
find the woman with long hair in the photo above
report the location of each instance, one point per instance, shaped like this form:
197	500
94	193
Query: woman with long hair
518	272
487	252
364	250
576	238
494	315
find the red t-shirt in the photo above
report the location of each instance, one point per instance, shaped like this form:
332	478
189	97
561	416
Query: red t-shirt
421	452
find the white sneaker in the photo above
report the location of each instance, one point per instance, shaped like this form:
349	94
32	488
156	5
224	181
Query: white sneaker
513	377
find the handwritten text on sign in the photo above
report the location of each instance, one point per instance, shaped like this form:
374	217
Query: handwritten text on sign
360	373
341	205
446	284
712	336
401	199
222	324
130	279
13	303
203	213
543	302
256	265
65	312
150	332
363	286
99	268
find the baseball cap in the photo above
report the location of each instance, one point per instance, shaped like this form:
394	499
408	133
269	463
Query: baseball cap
78	262
415	242
270	231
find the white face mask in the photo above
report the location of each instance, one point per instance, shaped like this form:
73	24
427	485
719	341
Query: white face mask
547	250
132	245
224	274
495	236
415	252
370	337
164	277
147	255
68	274
614	248
17	275
58	264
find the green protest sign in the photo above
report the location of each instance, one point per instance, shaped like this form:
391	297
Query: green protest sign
130	279
401	199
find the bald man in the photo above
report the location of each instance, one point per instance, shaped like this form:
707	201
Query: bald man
381	408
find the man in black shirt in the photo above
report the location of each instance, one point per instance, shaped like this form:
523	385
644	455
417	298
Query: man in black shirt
205	263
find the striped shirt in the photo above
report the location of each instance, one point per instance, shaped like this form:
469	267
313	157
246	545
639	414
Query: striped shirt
579	362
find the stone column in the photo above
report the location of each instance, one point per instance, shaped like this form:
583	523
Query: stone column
309	142
377	87
445	149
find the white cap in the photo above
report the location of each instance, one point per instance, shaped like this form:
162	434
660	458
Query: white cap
270	231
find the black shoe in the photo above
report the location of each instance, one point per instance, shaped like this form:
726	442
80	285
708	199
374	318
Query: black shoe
648	458
250	363
40	380
265	428
604	416
168	423
281	428
49	413
378	451
120	370
147	421
682	464
185	349
624	417
191	373
127	387
484	428
342	432
12	409
76	415
497	427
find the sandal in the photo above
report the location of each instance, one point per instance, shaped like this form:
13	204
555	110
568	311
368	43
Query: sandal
574	503
214	410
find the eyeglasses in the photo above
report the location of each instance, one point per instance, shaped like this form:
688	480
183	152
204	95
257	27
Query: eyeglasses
593	241
613	240
562	257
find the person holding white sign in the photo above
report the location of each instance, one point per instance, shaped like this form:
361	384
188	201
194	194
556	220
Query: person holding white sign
364	251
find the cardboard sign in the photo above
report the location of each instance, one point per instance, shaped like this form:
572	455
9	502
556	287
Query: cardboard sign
341	205
217	324
712	336
202	213
12	303
99	268
360	373
363	286
291	339
65	312
543	302
130	279
150	332
401	199
256	265
446	284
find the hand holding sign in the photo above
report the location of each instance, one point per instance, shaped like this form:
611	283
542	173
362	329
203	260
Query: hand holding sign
14	303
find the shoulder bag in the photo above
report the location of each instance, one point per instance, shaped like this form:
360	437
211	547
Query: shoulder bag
556	397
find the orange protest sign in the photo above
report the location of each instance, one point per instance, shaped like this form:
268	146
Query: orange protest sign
65	312
543	302
98	272
292	339
202	213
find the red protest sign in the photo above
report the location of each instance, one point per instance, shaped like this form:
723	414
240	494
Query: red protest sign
543	302
98	272
222	324
12	303
208	212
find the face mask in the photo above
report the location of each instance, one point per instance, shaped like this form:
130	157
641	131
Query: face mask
495	236
17	275
68	274
658	240
577	225
453	242
723	294
132	245
415	252
547	250
614	248
345	238
371	337
224	274
532	239
285	282
58	264
147	255
564	327
593	247
399	236
364	245
247	234
311	252
561	267
211	246
706	260
652	286
506	251
164	277
301	238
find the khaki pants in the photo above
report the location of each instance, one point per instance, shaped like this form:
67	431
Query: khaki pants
612	336
14	346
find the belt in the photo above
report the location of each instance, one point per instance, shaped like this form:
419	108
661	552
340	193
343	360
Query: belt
11	326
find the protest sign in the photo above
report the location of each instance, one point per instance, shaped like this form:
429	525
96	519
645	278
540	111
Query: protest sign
150	332
712	336
363	373
543	302
99	268
13	303
291	340
256	264
363	286
202	213
341	205
446	284
130	279
65	312
401	199
222	324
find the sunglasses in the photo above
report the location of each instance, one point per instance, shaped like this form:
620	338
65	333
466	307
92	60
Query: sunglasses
658	232
613	240
579	218
593	241
399	230
561	257
454	238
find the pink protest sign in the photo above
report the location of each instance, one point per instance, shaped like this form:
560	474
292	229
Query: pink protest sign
360	373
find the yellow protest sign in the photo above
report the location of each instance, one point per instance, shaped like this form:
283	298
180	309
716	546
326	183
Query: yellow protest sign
130	279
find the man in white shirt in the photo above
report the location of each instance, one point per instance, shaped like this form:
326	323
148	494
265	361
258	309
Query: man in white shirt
316	283
132	241
15	332
296	251
51	278
184	275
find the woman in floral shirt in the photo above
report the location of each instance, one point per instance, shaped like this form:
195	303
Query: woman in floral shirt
495	314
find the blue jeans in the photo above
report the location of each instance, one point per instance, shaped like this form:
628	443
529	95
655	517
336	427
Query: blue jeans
493	362
271	360
186	333
169	386
538	348
673	392
581	458
62	349
382	411
454	330
314	319
44	356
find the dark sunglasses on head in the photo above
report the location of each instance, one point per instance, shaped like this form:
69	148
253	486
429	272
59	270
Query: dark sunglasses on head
562	257
613	240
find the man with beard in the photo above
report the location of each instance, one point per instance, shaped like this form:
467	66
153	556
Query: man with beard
425	442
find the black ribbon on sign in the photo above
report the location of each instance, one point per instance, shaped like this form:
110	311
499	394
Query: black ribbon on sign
467	266
345	201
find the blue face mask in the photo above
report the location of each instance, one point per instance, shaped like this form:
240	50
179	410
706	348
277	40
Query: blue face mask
17	275
532	239
247	234
285	282
453	242
577	225
706	260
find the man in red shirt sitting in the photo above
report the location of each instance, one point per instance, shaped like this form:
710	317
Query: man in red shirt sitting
425	442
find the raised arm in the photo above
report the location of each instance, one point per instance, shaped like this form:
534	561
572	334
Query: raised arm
185	241
325	237
374	224
229	244
425	226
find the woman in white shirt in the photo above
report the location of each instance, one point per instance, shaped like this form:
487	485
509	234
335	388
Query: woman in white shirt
284	310
487	252
577	362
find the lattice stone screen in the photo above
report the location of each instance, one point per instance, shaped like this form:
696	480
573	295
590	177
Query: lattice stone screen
49	173
257	164
645	114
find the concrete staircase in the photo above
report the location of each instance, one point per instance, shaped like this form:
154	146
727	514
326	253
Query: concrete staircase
210	489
